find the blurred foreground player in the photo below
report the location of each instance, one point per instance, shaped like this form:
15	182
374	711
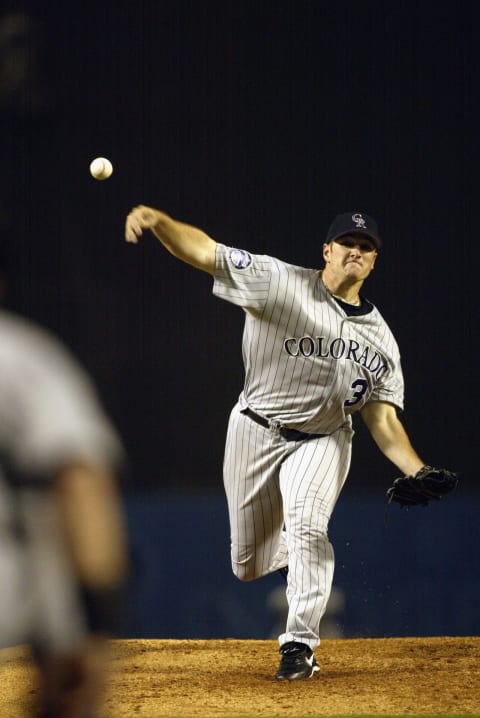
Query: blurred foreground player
63	539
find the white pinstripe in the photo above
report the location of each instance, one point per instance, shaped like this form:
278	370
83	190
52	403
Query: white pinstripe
270	484
305	392
308	366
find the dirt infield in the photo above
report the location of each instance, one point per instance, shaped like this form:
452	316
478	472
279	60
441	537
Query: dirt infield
429	676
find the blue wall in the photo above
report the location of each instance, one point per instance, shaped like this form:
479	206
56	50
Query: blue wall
399	572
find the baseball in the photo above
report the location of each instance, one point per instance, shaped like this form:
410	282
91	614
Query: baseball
101	168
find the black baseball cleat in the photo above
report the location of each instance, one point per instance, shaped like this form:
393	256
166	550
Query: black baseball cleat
297	662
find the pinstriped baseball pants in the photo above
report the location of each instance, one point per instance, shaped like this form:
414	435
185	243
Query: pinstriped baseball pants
280	497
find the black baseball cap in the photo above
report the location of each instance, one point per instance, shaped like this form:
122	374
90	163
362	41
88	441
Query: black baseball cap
354	223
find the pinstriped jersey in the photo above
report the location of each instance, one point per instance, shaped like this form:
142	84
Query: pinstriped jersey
308	365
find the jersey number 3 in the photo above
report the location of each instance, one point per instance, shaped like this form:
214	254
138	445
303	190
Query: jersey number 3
359	387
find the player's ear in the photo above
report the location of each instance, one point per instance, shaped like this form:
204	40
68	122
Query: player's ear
326	251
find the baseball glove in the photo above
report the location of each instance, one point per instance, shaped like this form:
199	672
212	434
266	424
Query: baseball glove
426	485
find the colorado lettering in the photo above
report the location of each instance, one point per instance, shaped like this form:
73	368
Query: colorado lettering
337	348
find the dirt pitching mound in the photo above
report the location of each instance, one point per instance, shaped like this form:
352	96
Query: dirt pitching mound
235	678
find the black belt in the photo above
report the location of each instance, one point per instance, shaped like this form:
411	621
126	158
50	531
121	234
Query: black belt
288	434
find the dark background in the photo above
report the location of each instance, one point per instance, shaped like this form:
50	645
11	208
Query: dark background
258	122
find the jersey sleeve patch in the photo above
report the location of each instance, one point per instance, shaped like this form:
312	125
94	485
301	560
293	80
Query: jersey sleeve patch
240	258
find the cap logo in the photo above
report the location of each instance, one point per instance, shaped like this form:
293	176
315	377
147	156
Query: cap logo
359	221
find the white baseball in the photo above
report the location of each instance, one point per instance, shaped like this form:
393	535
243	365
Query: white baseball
101	168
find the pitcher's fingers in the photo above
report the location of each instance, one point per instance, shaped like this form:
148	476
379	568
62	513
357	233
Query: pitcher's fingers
132	230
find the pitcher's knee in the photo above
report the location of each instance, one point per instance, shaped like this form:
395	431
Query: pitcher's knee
245	572
243	564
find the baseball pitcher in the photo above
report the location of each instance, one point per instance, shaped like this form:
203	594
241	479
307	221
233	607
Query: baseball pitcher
315	351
